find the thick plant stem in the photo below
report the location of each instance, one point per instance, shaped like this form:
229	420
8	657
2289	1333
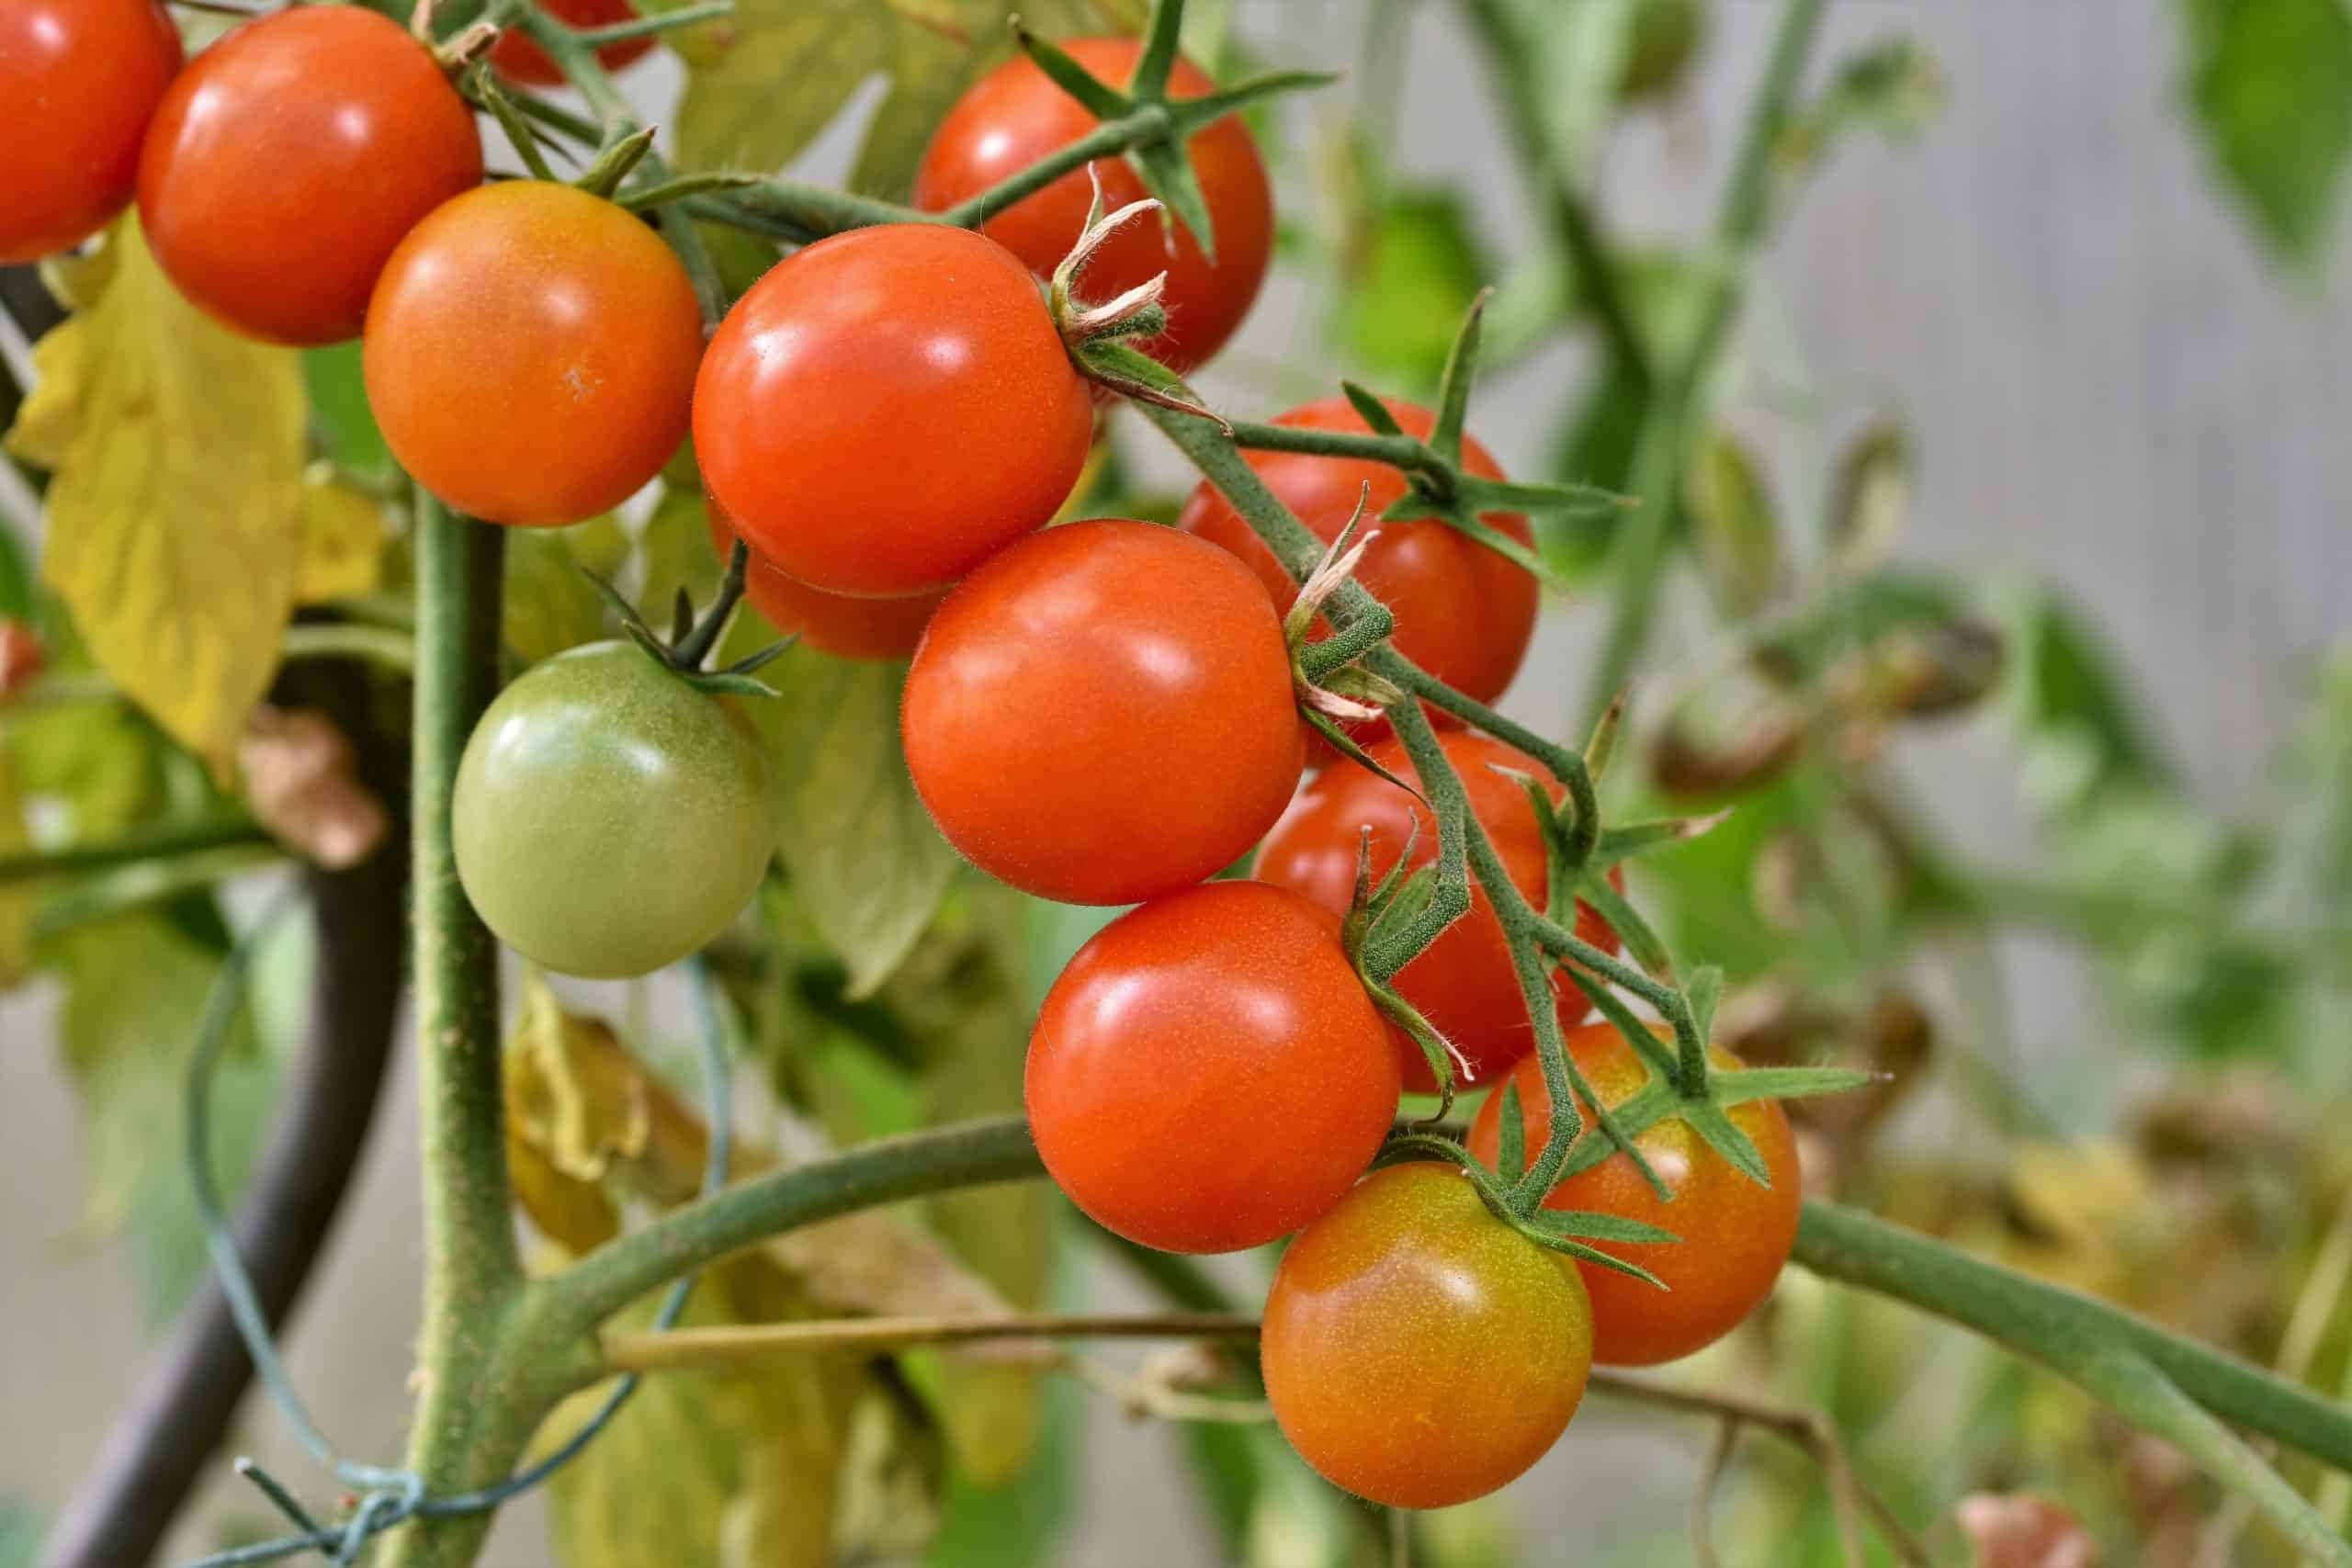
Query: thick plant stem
473	1272
2064	1330
1674	415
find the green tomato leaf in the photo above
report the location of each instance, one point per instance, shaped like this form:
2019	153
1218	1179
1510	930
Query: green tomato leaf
1595	1227
1419	266
1873	499
2271	85
1738	528
1642	943
550	603
1726	1139
1738	1087
174	505
863	858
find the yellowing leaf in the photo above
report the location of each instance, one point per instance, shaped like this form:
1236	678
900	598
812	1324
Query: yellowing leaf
730	1469
929	50
548	605
342	540
176	516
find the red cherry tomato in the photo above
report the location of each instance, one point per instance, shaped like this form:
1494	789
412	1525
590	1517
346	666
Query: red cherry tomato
1208	1073
1102	713
832	623
289	160
21	656
1735	1235
888	408
79	80
531	354
1015	115
1463	613
517	58
1418	1351
1464	984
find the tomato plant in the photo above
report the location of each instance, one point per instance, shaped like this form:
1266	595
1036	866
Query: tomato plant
888	408
531	352
835	623
520	60
1736	1233
609	818
1175	1045
79	80
1016	115
1464	983
326	121
1419	1353
1464	614
1040	670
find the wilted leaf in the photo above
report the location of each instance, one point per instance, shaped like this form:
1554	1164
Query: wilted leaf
863	858
175	517
1873	494
134	989
2270	82
342	540
734	116
2015	1531
303	783
730	1469
1738	531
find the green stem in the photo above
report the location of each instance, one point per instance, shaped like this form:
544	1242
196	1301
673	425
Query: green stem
660	22
2062	1329
1396	451
1579	235
970	1154
1106	140
1675	412
473	1274
153	844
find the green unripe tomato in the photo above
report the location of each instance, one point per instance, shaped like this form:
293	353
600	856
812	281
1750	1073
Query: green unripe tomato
610	817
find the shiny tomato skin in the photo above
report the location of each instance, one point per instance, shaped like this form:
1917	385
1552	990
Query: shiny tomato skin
1464	983
609	818
290	158
1735	1235
1417	1351
1179	1039
830	623
888	408
518	59
1464	614
531	354
79	80
1103	713
1016	115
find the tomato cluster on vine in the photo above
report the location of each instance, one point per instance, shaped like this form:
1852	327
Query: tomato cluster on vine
1103	712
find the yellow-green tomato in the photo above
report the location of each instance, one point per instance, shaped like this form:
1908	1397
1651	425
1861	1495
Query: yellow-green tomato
610	817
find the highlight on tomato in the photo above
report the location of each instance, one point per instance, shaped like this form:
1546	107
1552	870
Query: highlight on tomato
1464	983
289	159
887	407
1417	1351
1208	1073
79	81
531	354
1736	1233
1103	712
1016	115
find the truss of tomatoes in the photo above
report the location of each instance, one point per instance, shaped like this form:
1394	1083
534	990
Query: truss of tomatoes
888	419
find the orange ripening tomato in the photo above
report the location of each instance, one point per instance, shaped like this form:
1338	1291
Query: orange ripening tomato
1103	713
830	623
1418	1351
1208	1073
531	354
888	408
289	159
1015	115
518	59
1464	614
79	80
1464	983
1735	1235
